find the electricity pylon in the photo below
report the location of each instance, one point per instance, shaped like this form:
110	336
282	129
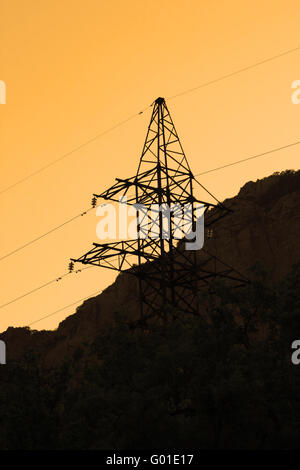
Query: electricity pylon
167	273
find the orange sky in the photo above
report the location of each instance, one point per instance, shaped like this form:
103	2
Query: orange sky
73	69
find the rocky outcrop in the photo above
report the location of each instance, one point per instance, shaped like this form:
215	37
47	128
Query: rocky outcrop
264	227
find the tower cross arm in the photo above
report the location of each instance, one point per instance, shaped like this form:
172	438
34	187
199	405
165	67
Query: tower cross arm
115	255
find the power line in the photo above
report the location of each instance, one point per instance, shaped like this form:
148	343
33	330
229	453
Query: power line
62	157
141	112
198	174
223	77
33	290
57	279
73	218
47	233
249	158
63	308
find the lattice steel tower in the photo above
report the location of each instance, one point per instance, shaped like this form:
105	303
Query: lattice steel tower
168	275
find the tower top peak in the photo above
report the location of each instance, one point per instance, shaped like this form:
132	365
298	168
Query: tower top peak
160	100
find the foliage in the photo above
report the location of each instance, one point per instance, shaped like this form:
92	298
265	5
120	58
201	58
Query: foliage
223	382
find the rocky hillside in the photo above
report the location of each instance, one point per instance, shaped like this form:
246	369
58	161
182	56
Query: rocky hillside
263	228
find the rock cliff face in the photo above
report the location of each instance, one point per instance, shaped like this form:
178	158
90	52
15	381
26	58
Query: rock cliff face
264	227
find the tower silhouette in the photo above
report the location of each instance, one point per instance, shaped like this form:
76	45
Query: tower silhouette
168	274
